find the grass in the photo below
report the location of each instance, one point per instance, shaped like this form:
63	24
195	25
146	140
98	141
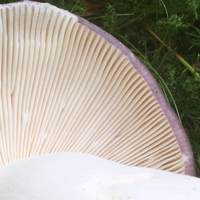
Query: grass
165	35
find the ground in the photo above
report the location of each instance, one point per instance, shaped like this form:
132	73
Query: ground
165	35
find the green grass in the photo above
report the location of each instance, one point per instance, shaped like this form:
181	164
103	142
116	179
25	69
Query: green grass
165	35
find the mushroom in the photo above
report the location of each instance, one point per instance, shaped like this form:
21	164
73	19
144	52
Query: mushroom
77	176
68	86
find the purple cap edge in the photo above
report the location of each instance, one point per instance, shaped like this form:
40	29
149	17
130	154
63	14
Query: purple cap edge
174	122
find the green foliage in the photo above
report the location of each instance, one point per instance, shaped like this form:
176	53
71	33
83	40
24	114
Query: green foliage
195	7
173	23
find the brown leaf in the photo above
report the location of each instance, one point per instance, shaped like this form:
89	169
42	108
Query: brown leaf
94	6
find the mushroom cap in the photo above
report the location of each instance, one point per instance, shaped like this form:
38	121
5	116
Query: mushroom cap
68	86
77	176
